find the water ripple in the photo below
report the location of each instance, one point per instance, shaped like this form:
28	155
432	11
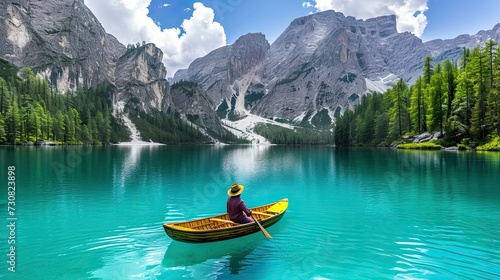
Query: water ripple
447	251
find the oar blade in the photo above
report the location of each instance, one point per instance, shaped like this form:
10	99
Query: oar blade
264	231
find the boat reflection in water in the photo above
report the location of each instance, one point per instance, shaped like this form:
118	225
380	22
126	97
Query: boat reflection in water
235	251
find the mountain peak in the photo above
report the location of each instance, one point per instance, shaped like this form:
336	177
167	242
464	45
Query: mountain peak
251	37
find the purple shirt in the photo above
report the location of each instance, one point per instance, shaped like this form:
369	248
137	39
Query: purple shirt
235	208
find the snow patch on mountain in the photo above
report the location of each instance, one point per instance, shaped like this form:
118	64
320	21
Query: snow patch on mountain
244	128
380	86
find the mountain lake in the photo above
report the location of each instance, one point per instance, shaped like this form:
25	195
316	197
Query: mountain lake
83	212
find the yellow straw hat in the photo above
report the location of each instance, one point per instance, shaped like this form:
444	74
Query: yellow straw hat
236	189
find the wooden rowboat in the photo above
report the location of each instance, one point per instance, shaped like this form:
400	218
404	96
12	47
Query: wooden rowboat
219	227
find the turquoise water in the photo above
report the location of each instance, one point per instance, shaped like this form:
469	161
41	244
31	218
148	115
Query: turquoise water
97	212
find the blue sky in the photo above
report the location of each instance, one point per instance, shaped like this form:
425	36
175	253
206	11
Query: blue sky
445	18
187	29
238	17
449	18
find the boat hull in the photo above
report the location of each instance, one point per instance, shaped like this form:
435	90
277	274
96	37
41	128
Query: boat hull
219	227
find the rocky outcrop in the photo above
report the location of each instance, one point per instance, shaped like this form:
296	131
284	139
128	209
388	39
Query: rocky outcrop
319	66
227	73
61	41
141	74
64	43
190	100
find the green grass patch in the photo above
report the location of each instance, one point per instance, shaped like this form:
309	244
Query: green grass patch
420	146
493	145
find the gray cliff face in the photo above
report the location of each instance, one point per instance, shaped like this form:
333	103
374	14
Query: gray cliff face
247	52
209	71
140	73
60	40
193	102
228	71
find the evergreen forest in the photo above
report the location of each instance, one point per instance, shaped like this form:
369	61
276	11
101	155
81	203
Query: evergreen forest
32	112
459	102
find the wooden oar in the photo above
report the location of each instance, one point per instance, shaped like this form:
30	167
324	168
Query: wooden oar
262	228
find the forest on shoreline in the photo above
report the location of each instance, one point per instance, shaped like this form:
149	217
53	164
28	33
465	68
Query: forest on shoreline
459	102
31	112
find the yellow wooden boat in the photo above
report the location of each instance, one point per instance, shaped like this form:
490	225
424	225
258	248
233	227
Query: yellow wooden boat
219	227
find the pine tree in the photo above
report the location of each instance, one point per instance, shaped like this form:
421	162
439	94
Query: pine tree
478	128
493	100
3	96
343	131
490	50
13	122
58	127
427	70
463	103
40	122
29	121
417	106
3	134
86	135
398	111
381	127
436	111
94	132
450	73
77	124
69	129
48	126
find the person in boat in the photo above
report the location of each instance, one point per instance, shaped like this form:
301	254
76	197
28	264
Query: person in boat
238	211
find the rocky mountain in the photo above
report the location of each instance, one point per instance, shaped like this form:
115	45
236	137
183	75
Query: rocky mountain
319	66
63	42
325	62
140	73
453	48
226	73
193	102
60	40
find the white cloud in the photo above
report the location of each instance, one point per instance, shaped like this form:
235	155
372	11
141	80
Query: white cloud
128	21
167	5
409	13
307	5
